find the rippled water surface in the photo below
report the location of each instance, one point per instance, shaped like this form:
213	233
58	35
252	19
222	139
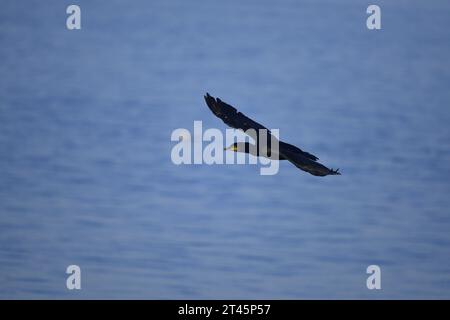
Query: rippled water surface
86	176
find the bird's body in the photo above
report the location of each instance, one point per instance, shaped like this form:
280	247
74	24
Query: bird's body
285	151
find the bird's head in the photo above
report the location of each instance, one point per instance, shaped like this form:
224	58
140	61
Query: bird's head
239	147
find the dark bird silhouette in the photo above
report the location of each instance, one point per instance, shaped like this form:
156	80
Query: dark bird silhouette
235	119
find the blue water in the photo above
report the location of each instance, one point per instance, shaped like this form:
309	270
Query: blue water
86	176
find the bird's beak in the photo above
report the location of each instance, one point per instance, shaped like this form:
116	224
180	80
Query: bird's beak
232	148
225	149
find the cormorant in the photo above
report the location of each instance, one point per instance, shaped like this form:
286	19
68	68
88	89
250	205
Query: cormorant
235	119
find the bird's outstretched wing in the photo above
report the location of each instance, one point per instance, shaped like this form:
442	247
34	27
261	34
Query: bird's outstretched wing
231	116
238	120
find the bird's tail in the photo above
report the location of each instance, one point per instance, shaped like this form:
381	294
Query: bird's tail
334	172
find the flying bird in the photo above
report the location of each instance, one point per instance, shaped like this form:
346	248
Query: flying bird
237	120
